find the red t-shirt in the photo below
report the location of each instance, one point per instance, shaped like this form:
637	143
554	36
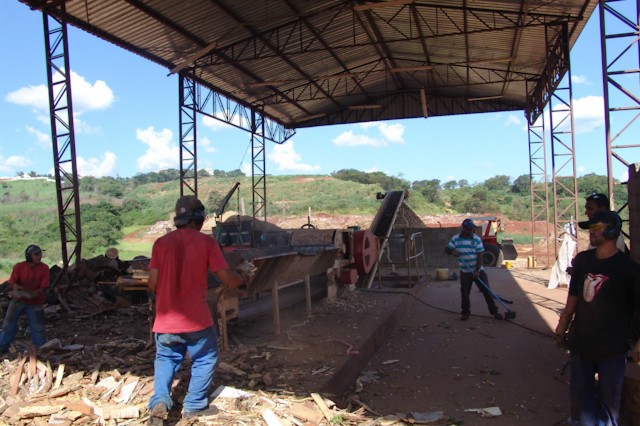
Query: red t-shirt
183	258
31	276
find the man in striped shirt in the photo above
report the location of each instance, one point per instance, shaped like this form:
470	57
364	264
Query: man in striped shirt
468	248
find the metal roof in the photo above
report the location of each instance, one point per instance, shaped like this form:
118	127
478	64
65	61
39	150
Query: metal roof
309	63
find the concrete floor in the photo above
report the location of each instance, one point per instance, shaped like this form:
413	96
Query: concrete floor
434	361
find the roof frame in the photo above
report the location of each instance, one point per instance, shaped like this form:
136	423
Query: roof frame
314	63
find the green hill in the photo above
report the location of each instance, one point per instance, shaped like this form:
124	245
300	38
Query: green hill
114	207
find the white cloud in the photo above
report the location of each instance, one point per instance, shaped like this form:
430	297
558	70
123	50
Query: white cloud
204	144
392	132
86	96
82	127
14	163
32	96
43	139
368	124
287	159
389	134
581	169
161	152
579	79
214	124
246	168
588	113
512	119
98	167
349	139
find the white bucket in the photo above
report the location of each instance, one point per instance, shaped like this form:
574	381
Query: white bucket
442	274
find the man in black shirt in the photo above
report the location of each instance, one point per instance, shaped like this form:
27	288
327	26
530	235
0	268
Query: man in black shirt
603	307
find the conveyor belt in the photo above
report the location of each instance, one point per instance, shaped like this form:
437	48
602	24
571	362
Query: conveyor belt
382	225
386	216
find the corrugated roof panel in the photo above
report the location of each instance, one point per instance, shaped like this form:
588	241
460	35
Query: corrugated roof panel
304	49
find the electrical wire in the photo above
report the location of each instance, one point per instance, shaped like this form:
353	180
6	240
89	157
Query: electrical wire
548	335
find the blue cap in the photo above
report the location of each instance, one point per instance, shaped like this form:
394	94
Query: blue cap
468	223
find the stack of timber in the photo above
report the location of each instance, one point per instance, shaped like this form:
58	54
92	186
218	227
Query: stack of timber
137	281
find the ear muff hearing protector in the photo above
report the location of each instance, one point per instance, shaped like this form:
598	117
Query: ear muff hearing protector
611	232
198	216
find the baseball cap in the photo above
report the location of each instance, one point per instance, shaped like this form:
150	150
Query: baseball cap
468	223
600	200
604	216
185	206
34	249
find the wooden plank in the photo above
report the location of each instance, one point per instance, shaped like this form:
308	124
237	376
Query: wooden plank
271	418
59	375
328	414
17	375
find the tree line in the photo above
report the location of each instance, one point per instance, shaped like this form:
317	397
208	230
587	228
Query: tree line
498	194
110	205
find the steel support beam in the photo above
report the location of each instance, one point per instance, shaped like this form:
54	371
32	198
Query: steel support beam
563	153
221	108
188	137
63	138
619	36
258	170
538	183
197	99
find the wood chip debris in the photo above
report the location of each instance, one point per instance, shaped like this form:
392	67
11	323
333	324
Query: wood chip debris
486	412
97	368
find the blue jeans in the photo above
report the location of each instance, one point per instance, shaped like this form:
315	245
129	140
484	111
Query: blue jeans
596	403
170	351
35	315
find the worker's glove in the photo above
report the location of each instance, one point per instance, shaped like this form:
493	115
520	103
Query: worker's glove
20	294
246	270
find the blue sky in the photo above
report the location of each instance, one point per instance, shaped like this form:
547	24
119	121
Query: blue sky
127	121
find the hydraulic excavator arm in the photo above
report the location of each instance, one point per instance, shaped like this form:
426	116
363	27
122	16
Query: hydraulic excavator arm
223	204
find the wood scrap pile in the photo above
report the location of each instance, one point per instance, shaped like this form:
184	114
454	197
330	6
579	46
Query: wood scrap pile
39	395
96	285
407	218
38	392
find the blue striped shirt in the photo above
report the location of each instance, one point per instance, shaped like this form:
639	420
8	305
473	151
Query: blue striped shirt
469	249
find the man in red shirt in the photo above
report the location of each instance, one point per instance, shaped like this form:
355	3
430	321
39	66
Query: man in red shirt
29	280
178	270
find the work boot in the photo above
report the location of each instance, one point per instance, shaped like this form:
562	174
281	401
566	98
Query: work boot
498	316
465	317
158	415
211	410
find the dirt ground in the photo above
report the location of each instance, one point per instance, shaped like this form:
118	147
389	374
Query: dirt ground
430	362
381	352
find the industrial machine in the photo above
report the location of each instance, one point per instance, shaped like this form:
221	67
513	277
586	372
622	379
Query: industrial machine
495	252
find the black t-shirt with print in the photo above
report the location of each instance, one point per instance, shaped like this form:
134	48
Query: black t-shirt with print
608	292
